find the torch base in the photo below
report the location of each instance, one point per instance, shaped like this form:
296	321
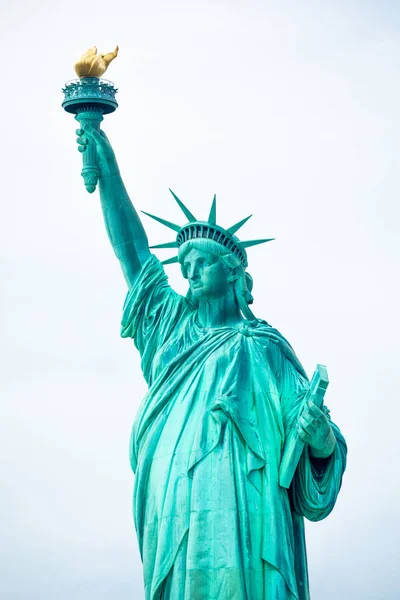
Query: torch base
89	93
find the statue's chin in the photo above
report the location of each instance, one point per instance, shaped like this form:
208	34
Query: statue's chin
198	292
204	293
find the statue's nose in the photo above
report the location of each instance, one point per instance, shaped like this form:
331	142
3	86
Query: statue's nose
194	275
194	272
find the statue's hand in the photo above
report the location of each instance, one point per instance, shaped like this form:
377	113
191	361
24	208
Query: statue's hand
316	431
105	154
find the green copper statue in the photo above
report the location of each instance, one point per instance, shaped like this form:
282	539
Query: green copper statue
218	506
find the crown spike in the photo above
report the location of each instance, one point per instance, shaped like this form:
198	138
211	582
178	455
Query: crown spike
212	218
167	245
255	242
163	221
190	217
170	261
237	226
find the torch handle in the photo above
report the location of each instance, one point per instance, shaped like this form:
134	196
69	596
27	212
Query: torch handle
90	170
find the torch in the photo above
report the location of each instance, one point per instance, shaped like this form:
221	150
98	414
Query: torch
89	98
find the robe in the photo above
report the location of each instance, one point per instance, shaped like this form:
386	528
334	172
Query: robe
211	519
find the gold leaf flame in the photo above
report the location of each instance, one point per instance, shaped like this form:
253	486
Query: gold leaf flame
92	64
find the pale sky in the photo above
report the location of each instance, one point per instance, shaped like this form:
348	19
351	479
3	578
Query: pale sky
287	110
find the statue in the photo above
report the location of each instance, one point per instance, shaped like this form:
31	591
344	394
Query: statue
215	516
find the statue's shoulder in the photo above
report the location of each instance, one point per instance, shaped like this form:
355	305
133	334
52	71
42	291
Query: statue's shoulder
266	330
278	344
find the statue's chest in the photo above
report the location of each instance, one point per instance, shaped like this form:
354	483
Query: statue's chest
220	358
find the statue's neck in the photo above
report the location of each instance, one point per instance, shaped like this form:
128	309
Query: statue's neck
219	312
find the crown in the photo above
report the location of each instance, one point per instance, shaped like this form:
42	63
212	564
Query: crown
209	229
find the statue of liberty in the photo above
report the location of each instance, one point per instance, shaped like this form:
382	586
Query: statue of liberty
225	392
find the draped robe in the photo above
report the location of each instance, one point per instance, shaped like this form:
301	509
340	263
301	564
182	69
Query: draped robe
211	519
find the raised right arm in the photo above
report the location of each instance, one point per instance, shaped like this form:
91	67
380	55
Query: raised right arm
124	228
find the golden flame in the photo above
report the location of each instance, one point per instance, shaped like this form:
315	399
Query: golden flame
92	64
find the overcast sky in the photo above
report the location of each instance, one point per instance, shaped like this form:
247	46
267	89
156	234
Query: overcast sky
288	110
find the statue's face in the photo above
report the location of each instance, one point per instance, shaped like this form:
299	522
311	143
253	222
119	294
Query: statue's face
207	276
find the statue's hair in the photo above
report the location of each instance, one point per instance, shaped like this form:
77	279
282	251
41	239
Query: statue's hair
229	260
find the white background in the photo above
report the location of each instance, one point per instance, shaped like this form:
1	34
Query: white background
288	110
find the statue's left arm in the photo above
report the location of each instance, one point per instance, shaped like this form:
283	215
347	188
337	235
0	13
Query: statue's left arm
317	481
318	477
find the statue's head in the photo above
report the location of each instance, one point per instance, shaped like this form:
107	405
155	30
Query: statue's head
210	268
212	258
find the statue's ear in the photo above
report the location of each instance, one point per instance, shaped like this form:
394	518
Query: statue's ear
233	274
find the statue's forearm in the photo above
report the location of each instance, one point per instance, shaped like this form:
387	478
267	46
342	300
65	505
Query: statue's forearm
124	228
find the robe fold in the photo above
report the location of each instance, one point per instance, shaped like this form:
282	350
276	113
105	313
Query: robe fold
211	519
